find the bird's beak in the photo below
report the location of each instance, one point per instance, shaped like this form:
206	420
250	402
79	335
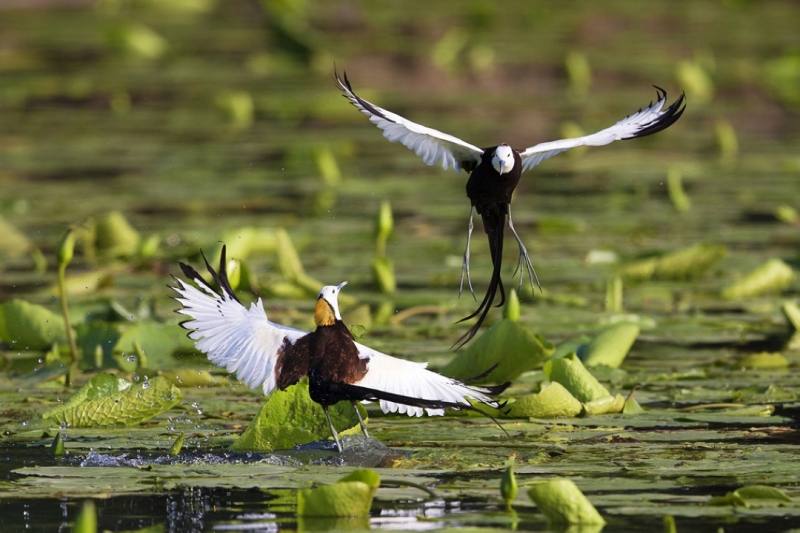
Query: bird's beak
339	286
502	166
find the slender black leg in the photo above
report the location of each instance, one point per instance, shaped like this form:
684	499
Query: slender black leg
360	420
333	430
524	258
465	266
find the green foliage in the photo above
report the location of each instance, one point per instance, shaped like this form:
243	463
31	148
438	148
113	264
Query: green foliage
350	496
136	40
57	448
290	418
508	486
508	345
570	372
113	236
27	326
554	401
176	447
107	400
752	496
562	502
13	243
773	276
604	405
610	347
677	195
87	519
238	108
763	360
685	264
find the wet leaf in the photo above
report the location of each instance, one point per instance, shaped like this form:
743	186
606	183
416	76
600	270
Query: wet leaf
350	496
506	344
27	326
751	496
508	485
772	276
107	400
176	447
554	401
611	346
562	502
570	372
290	418
57	448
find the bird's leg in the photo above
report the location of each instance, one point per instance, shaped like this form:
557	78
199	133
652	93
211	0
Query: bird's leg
360	420
524	258
333	430
465	265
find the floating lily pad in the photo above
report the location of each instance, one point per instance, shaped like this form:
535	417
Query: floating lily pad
688	263
27	326
290	418
772	276
350	496
107	400
752	496
611	346
570	372
562	502
554	401
508	345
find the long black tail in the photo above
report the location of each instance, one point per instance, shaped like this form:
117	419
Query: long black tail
494	223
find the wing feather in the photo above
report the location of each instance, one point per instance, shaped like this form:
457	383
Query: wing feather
431	145
241	339
647	121
413	380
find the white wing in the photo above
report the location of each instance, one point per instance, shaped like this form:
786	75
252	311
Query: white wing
242	340
431	145
644	122
407	378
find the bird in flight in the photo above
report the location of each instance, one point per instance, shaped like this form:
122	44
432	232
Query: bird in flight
262	353
495	171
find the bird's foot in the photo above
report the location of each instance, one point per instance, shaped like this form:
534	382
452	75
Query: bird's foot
465	273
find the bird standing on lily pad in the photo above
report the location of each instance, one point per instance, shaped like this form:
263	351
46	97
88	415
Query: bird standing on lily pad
262	353
495	171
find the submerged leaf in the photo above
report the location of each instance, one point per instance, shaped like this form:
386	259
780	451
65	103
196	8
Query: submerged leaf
107	400
772	276
27	326
554	401
570	372
611	346
290	418
562	502
507	346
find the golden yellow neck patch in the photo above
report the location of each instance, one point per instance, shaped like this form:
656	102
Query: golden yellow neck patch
323	314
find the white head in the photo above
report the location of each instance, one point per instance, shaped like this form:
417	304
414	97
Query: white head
327	309
503	159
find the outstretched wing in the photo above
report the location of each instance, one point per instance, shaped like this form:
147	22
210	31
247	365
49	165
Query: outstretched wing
431	145
406	381
646	121
244	341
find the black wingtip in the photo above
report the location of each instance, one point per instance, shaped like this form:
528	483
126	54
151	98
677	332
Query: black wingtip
221	278
669	117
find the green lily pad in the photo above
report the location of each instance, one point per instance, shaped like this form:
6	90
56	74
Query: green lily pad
554	401
290	418
507	346
570	372
772	276
562	502
632	407
603	406
763	360
350	496
27	326
685	264
752	496
107	400
611	346
157	342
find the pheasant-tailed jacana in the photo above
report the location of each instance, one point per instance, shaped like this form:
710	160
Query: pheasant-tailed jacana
495	171
262	353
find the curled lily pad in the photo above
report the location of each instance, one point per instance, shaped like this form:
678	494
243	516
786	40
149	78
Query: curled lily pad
611	346
772	276
507	346
752	496
554	401
570	372
687	263
562	502
350	496
763	360
604	406
28	326
290	418
114	236
107	400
